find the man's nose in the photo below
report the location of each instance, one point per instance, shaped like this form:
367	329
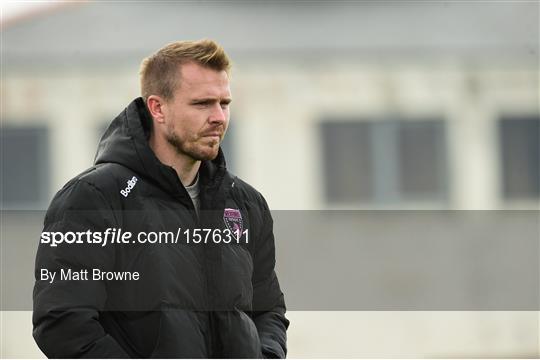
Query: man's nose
218	115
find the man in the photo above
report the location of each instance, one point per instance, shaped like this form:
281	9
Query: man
159	169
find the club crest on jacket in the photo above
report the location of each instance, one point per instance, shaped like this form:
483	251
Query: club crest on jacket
233	220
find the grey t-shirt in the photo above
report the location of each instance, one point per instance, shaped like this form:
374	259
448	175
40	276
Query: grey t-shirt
193	191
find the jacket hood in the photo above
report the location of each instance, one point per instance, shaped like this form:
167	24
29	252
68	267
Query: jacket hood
125	142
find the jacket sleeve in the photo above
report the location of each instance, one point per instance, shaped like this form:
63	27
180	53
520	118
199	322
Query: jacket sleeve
268	300
66	312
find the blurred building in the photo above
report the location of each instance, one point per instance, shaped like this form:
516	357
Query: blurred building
337	105
360	105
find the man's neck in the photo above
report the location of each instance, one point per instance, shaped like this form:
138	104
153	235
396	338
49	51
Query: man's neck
186	167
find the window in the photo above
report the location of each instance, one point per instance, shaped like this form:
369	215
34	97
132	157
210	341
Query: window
25	167
348	161
421	153
520	156
386	161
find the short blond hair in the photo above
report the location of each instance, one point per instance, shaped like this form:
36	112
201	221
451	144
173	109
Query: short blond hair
159	72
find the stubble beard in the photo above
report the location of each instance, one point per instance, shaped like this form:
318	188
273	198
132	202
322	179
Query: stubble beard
182	148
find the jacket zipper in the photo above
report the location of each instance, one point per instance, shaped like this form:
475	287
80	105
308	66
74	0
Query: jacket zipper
206	308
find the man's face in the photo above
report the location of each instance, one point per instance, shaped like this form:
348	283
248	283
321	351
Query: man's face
197	117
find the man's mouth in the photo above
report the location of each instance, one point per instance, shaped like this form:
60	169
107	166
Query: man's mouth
213	134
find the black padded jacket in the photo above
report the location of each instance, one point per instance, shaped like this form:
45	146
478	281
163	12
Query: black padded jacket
217	299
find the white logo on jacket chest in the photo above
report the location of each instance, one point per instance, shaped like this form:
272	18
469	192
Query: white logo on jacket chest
130	185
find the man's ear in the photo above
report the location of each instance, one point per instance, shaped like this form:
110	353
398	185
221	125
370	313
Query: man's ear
156	106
